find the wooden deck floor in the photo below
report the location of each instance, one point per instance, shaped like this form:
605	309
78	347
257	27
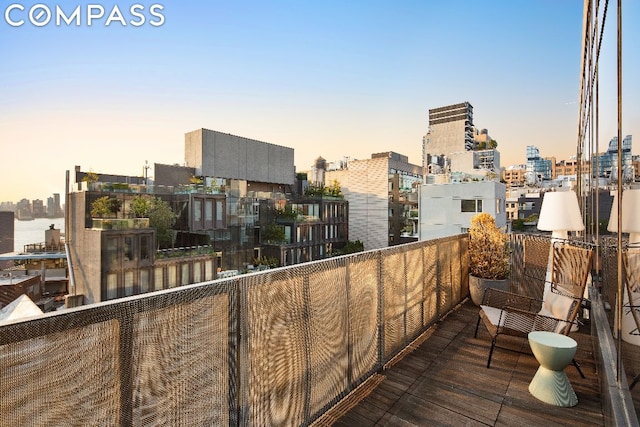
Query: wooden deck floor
445	382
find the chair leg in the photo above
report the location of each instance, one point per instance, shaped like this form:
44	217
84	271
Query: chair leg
577	365
477	325
493	345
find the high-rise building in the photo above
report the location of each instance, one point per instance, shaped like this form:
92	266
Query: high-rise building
608	161
38	209
23	210
538	169
452	143
6	232
57	208
450	131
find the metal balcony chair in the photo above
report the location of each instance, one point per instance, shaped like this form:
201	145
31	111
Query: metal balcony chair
506	313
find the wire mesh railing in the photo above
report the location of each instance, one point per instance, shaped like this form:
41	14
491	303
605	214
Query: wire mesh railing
278	347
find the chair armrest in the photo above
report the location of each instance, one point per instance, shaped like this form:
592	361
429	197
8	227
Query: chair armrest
500	299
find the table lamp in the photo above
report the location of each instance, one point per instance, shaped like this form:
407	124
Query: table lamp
630	215
560	213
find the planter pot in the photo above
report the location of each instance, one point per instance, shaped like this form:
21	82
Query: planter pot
477	285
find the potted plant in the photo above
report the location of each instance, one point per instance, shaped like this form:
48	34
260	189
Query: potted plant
488	256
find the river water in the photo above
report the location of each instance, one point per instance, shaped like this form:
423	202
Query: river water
26	232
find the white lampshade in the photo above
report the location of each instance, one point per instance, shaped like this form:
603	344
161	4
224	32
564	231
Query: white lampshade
560	213
630	214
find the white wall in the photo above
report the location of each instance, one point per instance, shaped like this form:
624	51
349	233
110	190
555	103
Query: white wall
440	206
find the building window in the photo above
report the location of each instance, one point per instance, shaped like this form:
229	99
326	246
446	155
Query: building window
470	205
208	270
197	268
112	286
219	213
144	280
158	278
185	274
172	272
128	283
112	251
128	248
197	210
208	210
144	248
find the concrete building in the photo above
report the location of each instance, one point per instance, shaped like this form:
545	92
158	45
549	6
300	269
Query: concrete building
447	209
217	154
382	196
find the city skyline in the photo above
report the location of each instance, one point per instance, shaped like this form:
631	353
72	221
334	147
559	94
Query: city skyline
327	79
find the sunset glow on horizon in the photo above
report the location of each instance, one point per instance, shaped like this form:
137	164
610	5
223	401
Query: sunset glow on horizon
328	79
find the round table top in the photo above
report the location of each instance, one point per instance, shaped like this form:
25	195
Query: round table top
552	339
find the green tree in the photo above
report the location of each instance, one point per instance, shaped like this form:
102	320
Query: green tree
517	225
273	233
162	218
314	190
350	248
140	207
270	262
334	189
287	212
105	207
90	177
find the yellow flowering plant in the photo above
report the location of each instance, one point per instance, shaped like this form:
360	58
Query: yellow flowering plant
488	248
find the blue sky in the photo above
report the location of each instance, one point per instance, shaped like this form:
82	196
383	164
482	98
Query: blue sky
330	78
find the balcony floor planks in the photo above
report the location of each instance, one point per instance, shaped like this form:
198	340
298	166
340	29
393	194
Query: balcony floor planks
445	381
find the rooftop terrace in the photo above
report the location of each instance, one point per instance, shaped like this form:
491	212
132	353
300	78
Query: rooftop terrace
444	380
296	346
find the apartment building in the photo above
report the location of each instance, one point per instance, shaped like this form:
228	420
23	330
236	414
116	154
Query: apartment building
514	176
220	221
383	198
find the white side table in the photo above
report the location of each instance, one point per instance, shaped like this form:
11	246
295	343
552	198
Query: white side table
554	352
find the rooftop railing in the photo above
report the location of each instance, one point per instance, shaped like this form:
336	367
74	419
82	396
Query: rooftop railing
270	348
276	347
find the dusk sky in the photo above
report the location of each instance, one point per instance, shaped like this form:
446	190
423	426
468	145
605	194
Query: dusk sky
327	78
